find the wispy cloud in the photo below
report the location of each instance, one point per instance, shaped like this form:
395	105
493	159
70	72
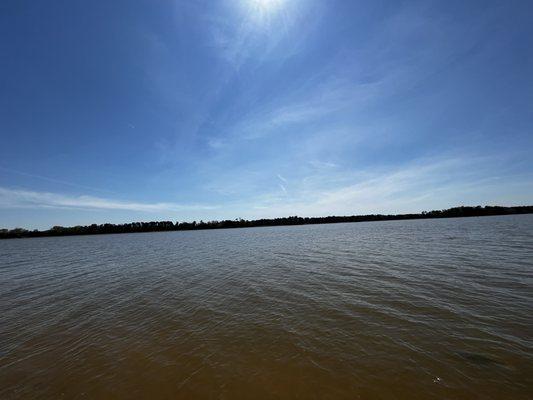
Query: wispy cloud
54	180
413	187
16	198
293	113
322	164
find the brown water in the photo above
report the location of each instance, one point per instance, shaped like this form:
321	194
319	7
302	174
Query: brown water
434	309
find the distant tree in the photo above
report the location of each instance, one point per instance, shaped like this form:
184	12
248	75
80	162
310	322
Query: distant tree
242	223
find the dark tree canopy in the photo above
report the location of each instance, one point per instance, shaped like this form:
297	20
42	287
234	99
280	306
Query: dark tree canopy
159	226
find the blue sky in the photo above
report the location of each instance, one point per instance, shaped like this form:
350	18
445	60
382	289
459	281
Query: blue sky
186	110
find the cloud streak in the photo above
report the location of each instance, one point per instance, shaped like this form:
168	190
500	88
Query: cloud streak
53	180
15	198
415	187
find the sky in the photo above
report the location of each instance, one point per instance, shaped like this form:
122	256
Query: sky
120	111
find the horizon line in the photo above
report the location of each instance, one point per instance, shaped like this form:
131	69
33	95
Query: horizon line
162	226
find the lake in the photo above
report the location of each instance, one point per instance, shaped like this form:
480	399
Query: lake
421	309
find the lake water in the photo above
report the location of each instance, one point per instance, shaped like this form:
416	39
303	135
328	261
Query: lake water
423	309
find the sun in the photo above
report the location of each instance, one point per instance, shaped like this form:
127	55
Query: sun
264	14
266	5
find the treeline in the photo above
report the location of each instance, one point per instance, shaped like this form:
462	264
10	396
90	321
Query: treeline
160	226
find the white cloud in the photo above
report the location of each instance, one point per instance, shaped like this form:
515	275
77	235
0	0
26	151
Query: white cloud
15	198
422	185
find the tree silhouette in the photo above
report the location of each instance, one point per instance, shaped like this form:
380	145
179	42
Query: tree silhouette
162	226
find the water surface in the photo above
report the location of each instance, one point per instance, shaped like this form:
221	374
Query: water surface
422	309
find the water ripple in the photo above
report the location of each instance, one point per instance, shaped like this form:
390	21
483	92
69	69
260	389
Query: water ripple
401	309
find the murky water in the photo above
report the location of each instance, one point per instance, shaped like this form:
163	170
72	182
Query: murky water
434	309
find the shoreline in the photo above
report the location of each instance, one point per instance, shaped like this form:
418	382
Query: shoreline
168	226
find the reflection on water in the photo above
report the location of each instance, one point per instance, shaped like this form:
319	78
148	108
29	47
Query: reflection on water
402	309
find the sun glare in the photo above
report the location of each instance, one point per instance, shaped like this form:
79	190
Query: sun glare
266	5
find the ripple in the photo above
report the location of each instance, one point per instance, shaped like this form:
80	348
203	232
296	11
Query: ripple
397	309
